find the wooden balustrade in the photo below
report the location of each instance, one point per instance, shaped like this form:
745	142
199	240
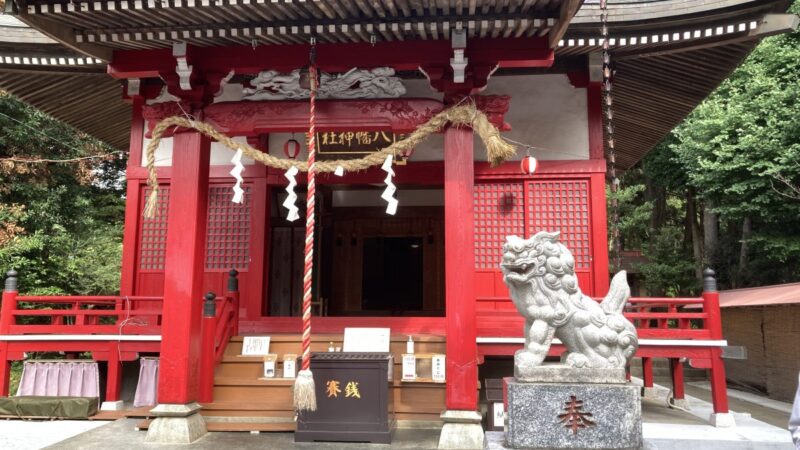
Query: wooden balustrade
654	318
220	324
70	314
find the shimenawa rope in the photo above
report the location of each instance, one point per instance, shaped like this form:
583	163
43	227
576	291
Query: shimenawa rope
497	148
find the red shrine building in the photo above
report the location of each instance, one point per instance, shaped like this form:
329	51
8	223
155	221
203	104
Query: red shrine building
115	68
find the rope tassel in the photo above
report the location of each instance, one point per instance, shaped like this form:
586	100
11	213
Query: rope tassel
304	392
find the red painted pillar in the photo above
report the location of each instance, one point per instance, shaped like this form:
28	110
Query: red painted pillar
719	386
178	375
647	372
133	214
459	247
600	269
6	320
114	375
676	367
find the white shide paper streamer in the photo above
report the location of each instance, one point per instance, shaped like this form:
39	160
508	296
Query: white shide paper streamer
388	193
291	199
236	172
339	171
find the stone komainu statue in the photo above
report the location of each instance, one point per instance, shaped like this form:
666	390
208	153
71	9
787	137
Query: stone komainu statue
540	275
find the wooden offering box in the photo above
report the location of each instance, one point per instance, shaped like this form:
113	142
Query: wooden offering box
352	399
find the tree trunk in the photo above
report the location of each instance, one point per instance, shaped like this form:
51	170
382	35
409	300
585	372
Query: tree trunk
744	250
710	233
658	195
694	232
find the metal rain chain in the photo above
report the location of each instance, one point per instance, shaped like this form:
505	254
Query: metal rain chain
611	152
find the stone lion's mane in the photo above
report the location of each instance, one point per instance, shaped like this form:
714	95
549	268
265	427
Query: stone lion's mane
554	274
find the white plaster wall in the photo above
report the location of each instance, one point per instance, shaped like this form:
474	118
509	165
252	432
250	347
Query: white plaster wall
220	155
546	111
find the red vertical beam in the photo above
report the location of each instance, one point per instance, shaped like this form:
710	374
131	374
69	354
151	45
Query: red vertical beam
719	386
132	213
6	320
599	231
183	270
114	375
594	104
676	367
647	372
459	247
600	274
258	272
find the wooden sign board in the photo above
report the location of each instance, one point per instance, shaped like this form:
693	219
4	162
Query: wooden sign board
438	368
255	346
371	340
409	367
340	144
270	365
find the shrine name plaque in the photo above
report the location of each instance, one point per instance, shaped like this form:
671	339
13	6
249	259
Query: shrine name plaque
353	403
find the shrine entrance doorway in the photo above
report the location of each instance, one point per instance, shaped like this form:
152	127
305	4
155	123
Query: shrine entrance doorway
371	264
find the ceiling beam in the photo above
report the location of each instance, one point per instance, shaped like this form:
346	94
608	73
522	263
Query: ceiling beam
568	10
334	57
54	30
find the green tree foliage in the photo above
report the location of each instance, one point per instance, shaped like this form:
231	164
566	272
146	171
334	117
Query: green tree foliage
60	223
739	151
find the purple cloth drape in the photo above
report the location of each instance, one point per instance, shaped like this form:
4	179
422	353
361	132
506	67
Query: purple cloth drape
146	388
68	378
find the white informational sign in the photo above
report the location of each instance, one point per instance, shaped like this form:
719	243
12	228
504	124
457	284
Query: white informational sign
289	368
409	367
373	340
437	369
498	412
269	368
255	346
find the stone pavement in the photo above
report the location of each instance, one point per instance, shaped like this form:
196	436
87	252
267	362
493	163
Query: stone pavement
664	429
773	412
36	434
121	435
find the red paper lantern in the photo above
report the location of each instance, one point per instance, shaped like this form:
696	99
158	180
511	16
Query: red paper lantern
291	149
406	154
528	165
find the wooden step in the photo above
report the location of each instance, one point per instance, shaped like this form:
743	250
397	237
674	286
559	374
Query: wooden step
240	390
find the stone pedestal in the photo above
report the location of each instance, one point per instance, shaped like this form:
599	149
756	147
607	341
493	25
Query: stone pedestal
461	430
176	424
112	406
722	420
600	411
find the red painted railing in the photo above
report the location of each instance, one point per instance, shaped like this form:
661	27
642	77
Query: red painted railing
654	318
80	315
220	324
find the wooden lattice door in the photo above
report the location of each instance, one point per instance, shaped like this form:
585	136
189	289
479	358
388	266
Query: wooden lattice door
523	208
